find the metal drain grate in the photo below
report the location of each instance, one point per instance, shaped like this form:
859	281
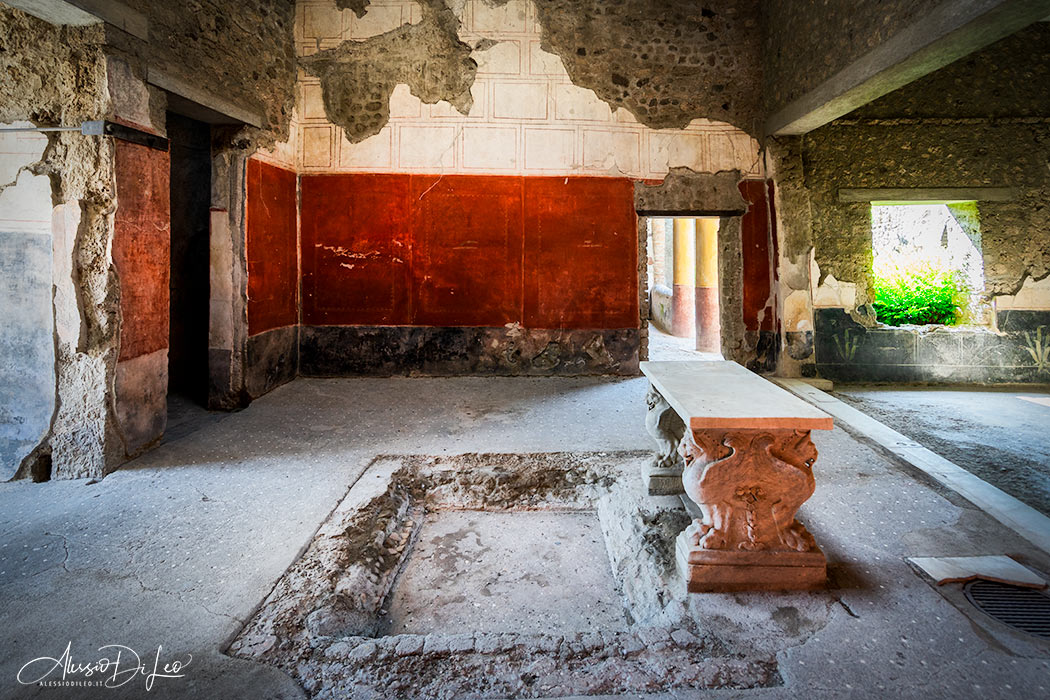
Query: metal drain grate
1024	609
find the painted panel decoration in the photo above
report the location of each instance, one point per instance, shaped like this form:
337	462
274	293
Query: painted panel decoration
469	251
141	241
272	248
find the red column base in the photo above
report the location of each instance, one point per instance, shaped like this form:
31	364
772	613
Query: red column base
683	311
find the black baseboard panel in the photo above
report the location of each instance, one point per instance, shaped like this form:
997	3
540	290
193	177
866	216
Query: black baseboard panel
377	351
272	360
1018	353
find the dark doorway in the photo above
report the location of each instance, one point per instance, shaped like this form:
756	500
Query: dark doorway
190	253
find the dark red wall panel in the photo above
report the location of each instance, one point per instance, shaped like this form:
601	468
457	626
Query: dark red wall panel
141	244
758	257
467	250
356	249
272	248
581	251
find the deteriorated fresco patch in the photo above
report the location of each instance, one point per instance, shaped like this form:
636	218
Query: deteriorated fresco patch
358	77
666	62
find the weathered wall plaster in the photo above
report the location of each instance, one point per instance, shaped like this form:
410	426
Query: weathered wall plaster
863	155
357	78
792	218
666	62
246	57
525	255
141	245
57	76
27	342
524	114
981	122
63	76
272	248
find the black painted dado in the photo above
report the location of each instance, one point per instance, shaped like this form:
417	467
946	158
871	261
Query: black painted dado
1018	353
767	349
344	351
273	360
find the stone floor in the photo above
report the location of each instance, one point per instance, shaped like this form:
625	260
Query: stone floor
664	346
999	434
178	549
492	572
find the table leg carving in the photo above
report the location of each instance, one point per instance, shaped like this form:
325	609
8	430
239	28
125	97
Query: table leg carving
749	485
663	474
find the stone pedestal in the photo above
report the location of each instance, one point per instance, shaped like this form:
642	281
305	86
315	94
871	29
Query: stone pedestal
749	483
663	473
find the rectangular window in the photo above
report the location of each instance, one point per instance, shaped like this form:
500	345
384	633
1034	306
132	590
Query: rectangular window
928	267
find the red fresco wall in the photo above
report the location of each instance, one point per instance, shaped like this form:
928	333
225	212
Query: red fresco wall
141	245
272	248
580	253
469	251
355	249
758	257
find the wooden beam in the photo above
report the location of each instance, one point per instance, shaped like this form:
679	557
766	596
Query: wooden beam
953	29
84	12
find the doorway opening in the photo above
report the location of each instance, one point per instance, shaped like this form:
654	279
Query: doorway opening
190	268
683	288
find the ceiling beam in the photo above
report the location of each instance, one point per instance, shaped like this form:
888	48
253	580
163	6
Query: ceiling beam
953	29
84	12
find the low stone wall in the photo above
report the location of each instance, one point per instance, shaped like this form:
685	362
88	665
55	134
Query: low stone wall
1019	352
660	305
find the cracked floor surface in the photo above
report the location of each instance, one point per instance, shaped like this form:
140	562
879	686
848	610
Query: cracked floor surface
178	548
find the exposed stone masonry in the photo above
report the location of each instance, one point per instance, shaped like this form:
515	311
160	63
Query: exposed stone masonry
358	77
666	62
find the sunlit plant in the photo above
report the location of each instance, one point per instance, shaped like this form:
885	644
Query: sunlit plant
919	293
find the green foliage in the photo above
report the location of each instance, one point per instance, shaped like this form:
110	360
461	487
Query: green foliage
921	294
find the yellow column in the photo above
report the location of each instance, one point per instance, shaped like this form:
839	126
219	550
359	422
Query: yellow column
708	326
683	318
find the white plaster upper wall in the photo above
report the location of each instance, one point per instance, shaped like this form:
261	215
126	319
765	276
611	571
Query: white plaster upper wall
1032	295
27	358
25	204
527	118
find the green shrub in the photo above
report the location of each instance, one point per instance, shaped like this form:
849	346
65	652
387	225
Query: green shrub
920	294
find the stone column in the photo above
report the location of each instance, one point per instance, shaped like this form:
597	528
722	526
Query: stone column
708	324
683	320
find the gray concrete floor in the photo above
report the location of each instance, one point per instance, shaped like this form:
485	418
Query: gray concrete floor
177	549
992	433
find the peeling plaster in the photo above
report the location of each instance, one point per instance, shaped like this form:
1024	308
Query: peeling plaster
666	62
358	77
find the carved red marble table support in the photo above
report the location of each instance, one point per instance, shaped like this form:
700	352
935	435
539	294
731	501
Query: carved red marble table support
749	484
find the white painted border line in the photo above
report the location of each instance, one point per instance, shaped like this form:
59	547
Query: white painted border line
1022	519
